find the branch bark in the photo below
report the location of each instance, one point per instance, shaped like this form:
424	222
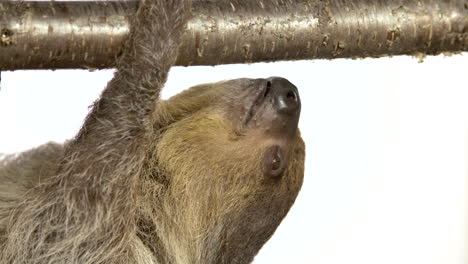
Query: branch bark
59	35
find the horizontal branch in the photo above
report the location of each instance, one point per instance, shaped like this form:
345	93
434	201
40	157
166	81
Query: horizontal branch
54	35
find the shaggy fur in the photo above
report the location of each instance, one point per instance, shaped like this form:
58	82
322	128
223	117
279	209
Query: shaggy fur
174	182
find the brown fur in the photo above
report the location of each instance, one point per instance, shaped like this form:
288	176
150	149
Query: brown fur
174	182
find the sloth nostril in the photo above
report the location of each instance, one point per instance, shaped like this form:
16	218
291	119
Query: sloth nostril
291	95
284	95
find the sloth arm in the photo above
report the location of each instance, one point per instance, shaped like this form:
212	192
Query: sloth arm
85	213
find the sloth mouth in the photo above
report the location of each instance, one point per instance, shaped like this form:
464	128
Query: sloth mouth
260	97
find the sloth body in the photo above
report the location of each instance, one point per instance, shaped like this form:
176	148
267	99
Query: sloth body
204	177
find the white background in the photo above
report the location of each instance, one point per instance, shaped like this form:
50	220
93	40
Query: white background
387	151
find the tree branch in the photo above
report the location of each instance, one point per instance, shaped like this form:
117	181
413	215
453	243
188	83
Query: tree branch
55	35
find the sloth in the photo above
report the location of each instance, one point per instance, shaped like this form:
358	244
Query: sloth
204	177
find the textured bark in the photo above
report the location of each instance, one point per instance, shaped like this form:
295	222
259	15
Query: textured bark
54	35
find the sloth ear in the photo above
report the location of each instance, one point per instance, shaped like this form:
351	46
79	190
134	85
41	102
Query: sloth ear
274	162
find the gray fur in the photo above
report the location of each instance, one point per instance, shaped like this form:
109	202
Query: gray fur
75	216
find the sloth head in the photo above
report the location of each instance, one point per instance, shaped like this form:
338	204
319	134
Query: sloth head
231	160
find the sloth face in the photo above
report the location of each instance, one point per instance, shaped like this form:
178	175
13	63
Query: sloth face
234	161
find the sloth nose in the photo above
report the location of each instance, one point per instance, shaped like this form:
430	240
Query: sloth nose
286	96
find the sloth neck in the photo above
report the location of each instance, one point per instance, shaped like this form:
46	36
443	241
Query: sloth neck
230	241
234	240
213	250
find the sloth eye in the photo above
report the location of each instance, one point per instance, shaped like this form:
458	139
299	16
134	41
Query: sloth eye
274	162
